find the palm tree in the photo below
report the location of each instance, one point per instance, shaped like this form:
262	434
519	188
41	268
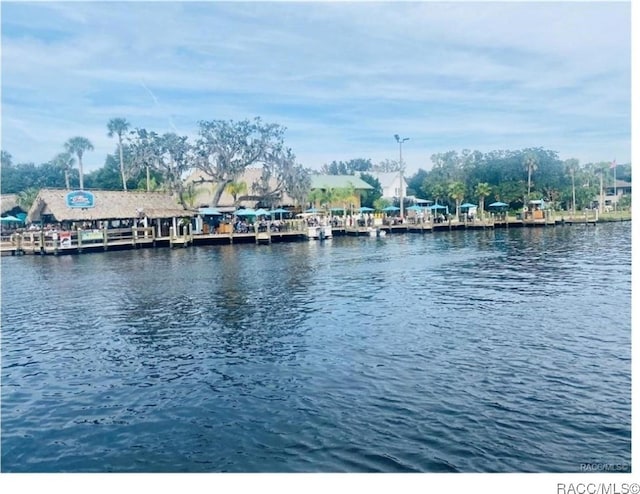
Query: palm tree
118	126
318	197
571	165
483	189
345	196
235	189
189	195
65	162
438	190
77	146
456	192
531	165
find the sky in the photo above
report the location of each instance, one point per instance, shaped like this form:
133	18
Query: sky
343	78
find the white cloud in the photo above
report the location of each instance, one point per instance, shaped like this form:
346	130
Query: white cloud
343	77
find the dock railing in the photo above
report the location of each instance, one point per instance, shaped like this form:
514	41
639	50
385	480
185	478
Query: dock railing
53	241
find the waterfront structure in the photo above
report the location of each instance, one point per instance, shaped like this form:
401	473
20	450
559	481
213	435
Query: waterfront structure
326	183
108	209
249	199
614	192
393	184
9	205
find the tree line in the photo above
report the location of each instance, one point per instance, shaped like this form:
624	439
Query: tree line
223	150
147	160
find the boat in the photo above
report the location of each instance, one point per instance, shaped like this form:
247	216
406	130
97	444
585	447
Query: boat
319	232
376	232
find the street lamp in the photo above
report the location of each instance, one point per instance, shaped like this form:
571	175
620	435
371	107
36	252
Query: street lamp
400	141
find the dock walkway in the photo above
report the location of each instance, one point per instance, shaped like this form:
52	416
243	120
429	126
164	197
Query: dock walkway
84	241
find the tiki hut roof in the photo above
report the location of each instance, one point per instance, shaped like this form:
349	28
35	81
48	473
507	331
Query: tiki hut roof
8	202
109	204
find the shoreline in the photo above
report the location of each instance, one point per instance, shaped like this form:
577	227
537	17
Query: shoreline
35	243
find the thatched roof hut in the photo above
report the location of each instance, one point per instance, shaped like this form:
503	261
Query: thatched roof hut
8	202
108	205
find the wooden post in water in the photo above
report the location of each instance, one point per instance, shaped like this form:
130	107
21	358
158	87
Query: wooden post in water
105	238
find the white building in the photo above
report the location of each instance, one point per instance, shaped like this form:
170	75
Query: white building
390	183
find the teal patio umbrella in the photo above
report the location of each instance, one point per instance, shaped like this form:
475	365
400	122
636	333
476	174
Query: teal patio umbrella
10	219
245	212
279	211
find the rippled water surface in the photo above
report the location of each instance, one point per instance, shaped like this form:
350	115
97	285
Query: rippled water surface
492	351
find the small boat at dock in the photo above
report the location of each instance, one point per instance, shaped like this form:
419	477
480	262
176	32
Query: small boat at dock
376	232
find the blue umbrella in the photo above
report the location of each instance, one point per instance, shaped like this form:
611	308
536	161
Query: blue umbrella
390	209
498	204
312	210
437	206
468	205
245	212
261	212
415	208
279	211
365	209
10	219
209	212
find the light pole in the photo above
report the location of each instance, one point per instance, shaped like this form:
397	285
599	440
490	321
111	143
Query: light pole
400	141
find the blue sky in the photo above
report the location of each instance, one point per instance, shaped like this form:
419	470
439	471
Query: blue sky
342	77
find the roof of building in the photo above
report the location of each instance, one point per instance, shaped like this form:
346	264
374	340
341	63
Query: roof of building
621	184
8	202
338	182
252	175
386	179
109	204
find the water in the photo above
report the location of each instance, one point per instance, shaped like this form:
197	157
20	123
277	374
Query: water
484	351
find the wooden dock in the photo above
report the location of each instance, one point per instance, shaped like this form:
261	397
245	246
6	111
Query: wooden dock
85	241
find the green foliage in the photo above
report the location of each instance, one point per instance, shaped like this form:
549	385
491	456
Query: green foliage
369	197
17	178
380	203
109	177
415	183
457	191
624	202
347	167
235	189
189	195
